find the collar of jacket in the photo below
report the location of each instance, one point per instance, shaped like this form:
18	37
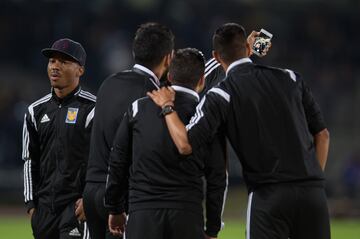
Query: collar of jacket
238	62
64	100
140	69
186	90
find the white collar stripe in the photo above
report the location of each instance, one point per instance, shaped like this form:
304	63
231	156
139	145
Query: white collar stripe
186	90
87	93
238	62
147	70
87	97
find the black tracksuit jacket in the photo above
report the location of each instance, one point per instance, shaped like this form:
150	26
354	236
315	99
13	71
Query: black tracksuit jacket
113	98
56	138
270	117
159	177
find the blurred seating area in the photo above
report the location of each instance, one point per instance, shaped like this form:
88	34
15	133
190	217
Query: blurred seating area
317	38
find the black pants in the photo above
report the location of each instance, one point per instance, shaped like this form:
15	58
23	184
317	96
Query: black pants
287	211
64	224
164	224
95	211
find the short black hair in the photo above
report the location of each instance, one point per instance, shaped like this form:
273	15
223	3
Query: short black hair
187	67
229	41
152	42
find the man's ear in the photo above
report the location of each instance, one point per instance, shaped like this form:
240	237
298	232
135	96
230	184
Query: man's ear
217	57
201	84
202	81
248	49
81	71
169	77
168	59
215	54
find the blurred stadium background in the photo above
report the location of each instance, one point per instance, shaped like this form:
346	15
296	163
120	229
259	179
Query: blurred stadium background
318	38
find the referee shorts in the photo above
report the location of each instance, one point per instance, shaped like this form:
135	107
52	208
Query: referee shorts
164	224
281	211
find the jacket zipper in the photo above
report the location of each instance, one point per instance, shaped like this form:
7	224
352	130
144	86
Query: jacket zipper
56	156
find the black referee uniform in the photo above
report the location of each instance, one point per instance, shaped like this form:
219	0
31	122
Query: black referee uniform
165	188
214	74
114	96
56	137
270	117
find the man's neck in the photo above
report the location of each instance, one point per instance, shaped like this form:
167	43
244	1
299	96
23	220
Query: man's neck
158	71
62	93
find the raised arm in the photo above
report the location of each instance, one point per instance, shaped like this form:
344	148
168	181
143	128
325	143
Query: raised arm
163	98
210	114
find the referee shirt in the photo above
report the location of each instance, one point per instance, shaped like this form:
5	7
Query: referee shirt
159	176
269	116
113	98
214	74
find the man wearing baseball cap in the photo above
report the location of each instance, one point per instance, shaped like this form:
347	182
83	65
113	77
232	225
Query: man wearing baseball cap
56	137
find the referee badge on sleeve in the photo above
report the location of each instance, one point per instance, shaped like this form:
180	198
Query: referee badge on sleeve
71	115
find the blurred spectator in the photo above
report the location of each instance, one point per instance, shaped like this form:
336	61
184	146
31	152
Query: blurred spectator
351	175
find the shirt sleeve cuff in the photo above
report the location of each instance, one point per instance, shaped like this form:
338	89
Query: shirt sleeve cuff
115	210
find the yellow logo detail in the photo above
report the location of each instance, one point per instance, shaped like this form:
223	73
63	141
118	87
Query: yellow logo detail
71	115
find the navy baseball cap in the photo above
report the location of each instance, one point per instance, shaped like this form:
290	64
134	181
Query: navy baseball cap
68	47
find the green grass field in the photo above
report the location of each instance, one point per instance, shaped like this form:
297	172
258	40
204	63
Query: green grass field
19	228
340	229
15	226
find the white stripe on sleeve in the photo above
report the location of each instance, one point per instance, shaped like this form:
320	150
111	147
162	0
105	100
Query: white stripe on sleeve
28	189
224	200
89	117
135	107
292	74
198	115
25	140
220	92
248	216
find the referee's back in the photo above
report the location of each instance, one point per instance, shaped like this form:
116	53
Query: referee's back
274	135
115	95
270	117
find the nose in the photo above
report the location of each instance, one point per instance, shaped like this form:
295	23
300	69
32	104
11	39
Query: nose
54	64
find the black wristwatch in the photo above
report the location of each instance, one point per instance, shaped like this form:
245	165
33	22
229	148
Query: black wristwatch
167	109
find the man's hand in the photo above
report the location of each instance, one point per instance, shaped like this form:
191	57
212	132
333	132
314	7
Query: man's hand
117	224
251	40
79	210
162	97
31	212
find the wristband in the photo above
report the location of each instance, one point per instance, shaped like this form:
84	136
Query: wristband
167	109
